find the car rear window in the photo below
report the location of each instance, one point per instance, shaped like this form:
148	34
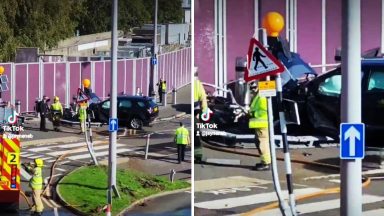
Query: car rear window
141	103
376	82
151	103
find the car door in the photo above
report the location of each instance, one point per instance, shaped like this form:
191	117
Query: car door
124	111
323	103
104	111
373	100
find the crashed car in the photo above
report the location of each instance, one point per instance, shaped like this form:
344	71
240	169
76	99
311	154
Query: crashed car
319	100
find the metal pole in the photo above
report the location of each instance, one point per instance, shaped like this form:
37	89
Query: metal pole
147	146
287	157
350	172
275	175
113	111
154	52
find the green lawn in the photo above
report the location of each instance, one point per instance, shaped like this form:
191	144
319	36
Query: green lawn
86	188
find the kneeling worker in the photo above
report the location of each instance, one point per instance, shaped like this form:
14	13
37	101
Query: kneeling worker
36	184
259	122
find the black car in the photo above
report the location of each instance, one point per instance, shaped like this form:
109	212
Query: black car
132	111
319	100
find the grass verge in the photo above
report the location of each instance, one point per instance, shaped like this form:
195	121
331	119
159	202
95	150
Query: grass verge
86	188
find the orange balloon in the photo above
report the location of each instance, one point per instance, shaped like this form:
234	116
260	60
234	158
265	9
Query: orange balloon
1	70
86	83
273	22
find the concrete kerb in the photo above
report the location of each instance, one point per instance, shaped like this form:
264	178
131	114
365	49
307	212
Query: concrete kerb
171	117
140	201
137	202
65	203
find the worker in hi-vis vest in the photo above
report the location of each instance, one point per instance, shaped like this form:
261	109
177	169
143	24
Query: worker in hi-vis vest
200	106
36	184
162	88
259	122
181	140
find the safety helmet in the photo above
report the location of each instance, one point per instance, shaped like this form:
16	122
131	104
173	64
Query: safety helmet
56	98
253	85
39	162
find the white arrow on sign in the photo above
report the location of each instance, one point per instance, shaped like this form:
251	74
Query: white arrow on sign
352	133
113	123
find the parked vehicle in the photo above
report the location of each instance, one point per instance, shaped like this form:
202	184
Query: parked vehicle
132	111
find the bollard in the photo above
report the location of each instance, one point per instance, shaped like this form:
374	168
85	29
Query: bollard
147	146
174	96
18	103
172	175
164	99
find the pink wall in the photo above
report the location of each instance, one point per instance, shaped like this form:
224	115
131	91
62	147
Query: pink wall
309	30
333	25
204	39
55	73
371	24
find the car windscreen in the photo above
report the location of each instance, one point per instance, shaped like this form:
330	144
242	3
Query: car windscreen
151	103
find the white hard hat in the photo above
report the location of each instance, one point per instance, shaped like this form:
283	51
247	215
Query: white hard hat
253	84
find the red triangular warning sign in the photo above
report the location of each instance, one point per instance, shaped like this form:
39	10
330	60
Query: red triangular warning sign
260	62
81	96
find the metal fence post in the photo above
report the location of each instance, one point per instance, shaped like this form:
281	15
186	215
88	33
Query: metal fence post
147	146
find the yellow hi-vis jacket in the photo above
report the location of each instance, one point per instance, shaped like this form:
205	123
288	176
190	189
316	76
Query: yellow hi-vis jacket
260	113
199	96
82	113
36	182
164	86
57	107
182	136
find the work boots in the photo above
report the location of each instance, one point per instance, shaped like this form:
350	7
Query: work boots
262	167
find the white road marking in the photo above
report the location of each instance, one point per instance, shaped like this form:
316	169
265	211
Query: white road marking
55	212
335	180
375	212
227	182
39	149
57	153
322	206
62	170
98	154
250	199
24	154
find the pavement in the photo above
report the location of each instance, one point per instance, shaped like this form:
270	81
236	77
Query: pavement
227	184
162	157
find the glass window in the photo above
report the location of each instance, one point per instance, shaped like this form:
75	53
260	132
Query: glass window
141	103
331	86
376	82
106	105
125	104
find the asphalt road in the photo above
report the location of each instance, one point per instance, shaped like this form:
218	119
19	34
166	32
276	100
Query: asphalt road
129	144
235	188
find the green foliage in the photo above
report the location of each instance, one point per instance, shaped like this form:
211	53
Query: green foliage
76	188
43	23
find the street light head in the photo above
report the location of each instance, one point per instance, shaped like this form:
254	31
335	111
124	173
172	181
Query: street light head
86	83
274	23
1	70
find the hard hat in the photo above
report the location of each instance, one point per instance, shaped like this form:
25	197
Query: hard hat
253	84
56	98
39	162
86	83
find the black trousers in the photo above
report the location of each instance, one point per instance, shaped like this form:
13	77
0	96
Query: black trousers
42	122
180	152
161	96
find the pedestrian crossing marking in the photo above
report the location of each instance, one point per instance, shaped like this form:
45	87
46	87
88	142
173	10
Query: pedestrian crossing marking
250	199
321	206
227	182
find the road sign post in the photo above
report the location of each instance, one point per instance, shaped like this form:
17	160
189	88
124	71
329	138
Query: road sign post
112	187
350	170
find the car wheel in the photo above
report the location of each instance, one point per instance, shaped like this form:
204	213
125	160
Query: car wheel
136	123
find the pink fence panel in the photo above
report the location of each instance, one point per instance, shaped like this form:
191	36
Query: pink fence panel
86	70
129	76
107	78
120	76
61	81
33	86
21	85
74	77
48	79
99	79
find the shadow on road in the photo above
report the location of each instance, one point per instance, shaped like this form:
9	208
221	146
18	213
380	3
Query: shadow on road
183	108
